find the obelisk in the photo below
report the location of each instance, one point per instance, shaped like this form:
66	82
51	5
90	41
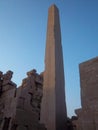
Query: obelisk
53	108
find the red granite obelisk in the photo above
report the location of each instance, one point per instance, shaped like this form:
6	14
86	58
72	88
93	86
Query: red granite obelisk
53	108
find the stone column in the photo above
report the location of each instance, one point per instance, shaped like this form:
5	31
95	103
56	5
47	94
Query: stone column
53	108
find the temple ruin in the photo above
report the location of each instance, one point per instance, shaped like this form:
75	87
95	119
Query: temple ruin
39	103
20	107
88	113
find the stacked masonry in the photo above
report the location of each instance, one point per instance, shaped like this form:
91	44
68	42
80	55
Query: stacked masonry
88	114
20	107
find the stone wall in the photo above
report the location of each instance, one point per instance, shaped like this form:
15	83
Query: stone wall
88	114
20	107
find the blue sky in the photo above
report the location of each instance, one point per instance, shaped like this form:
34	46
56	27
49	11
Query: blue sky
23	26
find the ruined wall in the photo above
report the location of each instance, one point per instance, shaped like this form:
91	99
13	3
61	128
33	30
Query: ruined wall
7	100
88	114
20	107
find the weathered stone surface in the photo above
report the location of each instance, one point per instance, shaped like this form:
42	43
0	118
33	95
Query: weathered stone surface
88	114
53	109
7	100
1	74
20	107
7	79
